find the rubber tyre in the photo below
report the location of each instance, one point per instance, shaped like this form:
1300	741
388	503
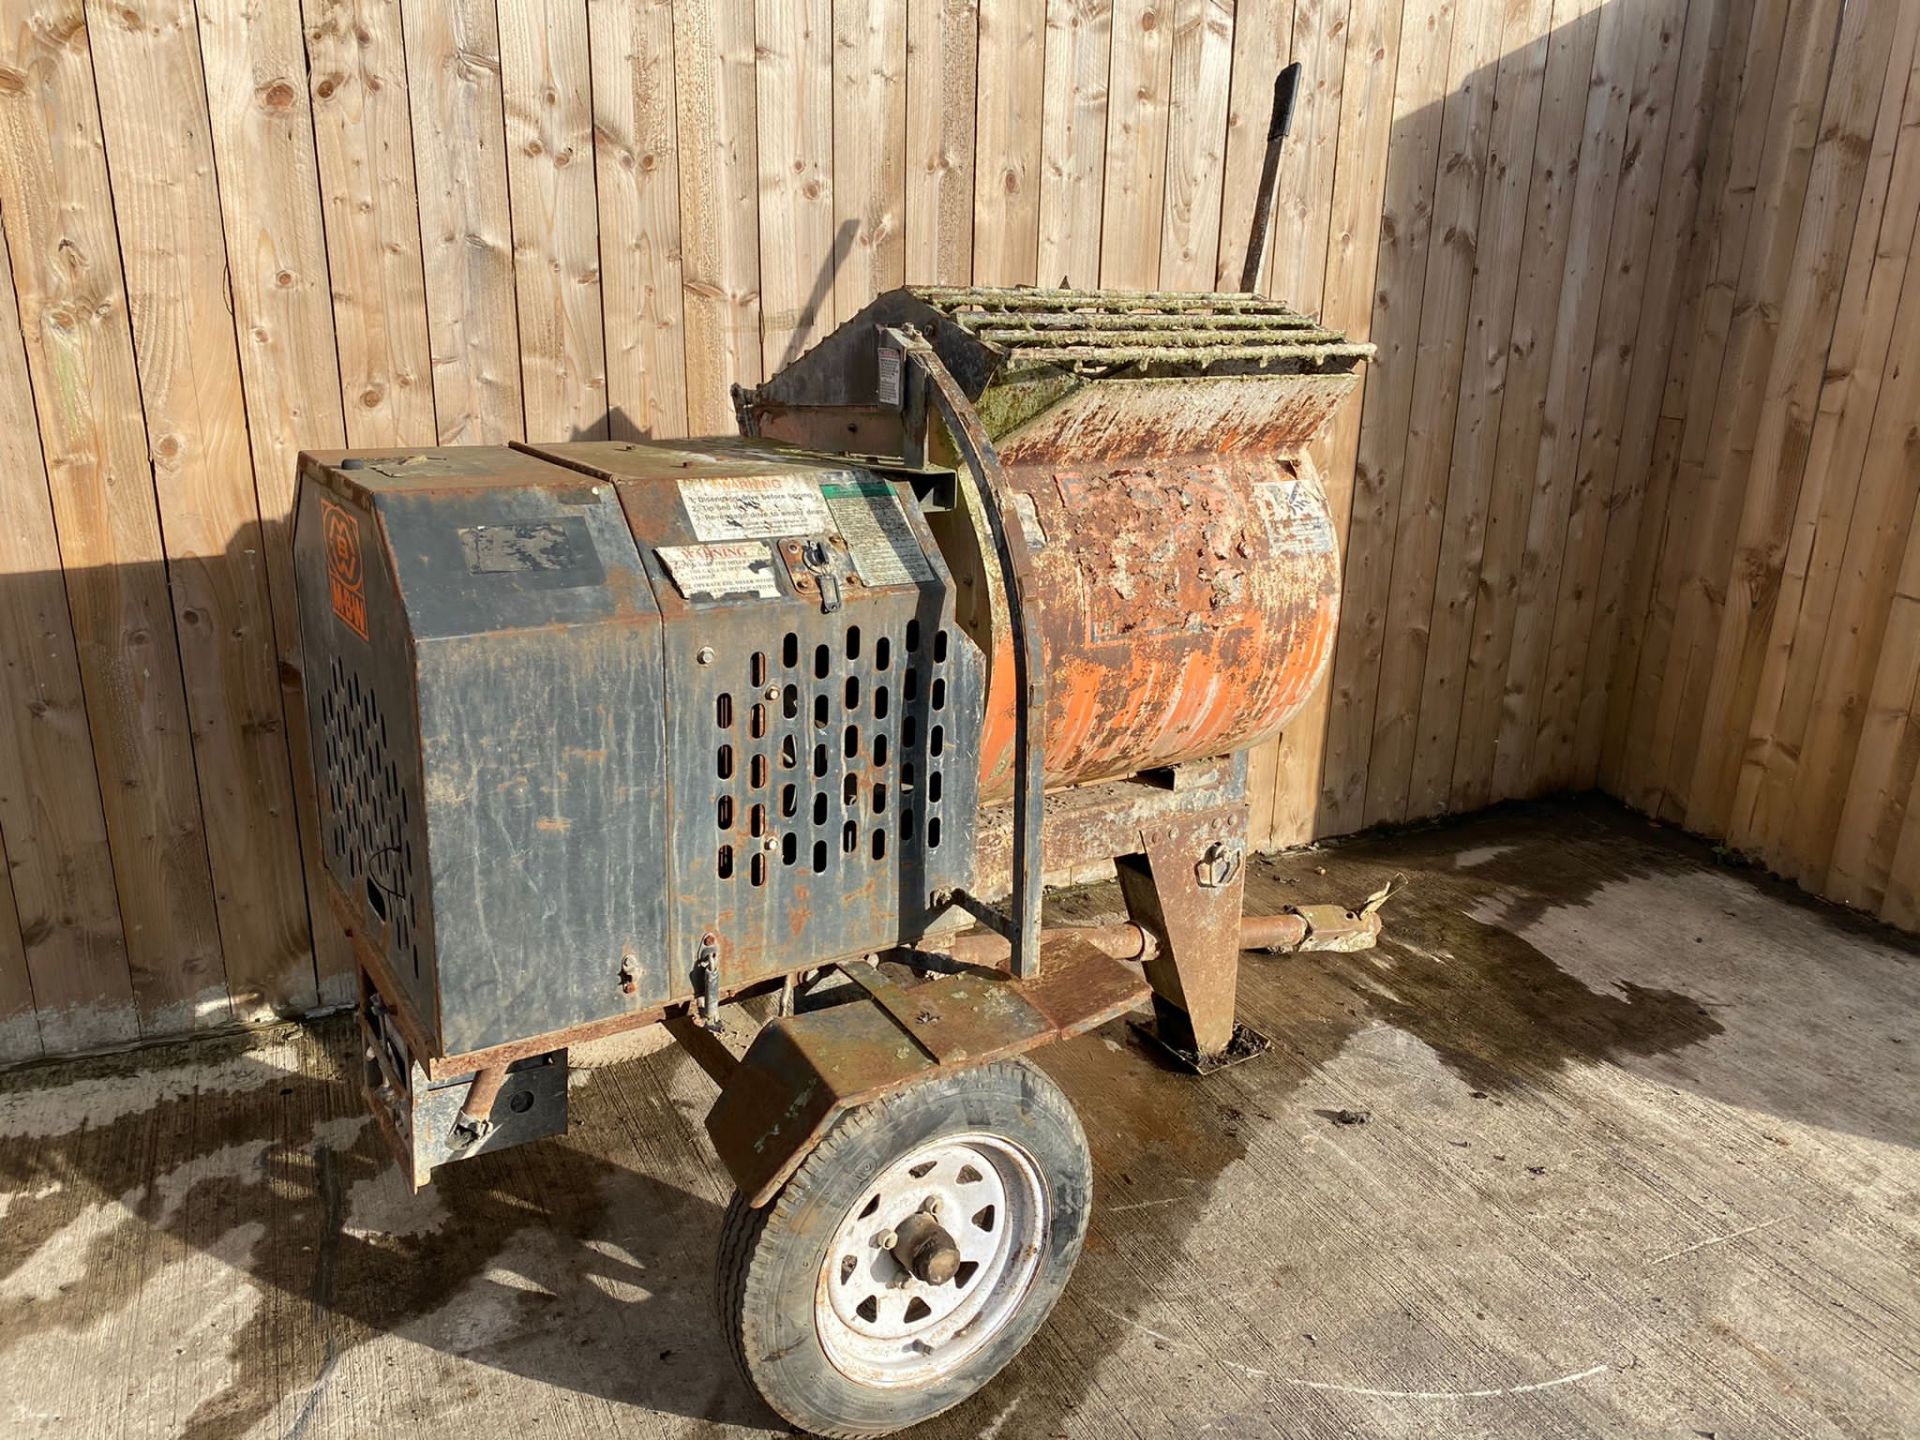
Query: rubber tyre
771	1257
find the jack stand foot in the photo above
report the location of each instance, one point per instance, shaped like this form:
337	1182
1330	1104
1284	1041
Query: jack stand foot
1245	1045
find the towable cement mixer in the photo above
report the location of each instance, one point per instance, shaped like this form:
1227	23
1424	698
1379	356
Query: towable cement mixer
738	736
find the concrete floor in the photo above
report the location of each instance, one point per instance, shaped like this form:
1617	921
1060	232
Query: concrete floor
1640	1159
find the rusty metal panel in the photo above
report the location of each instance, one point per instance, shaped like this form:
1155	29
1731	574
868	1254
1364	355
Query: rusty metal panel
958	1020
362	703
1187	416
804	1071
1097	822
1187	606
822	715
498	767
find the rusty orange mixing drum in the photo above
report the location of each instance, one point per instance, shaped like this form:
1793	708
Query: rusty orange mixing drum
1187	608
1185	572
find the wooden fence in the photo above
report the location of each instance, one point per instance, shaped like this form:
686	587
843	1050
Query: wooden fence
1632	266
1766	680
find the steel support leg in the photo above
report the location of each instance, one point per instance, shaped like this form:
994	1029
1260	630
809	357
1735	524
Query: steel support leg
1186	891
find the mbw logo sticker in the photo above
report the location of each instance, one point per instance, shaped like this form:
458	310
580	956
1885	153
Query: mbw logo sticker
346	581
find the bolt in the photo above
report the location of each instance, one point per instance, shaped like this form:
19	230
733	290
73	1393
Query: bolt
931	1206
772	692
705	657
886	1240
770	843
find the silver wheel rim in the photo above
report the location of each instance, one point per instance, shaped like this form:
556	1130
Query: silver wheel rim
878	1324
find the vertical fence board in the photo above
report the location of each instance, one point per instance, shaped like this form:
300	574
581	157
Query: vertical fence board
466	229
1196	144
270	204
1555	496
1074	165
19	1025
1659	179
940	121
1426	33
1365	109
1785	397
1439	361
1324	42
357	71
1500	232
795	101
1262	47
637	180
1774	213
1551	200
1009	121
869	69
1140	82
713	46
546	89
1667	654
1855	371
1657	410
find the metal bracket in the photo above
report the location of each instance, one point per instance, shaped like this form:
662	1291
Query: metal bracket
1186	891
927	380
804	1071
1219	865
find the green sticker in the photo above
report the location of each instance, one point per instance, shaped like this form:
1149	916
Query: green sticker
856	489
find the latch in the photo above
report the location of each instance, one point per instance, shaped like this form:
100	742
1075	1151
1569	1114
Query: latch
1219	864
819	566
706	982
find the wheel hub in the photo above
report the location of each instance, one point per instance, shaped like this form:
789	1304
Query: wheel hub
925	1249
932	1261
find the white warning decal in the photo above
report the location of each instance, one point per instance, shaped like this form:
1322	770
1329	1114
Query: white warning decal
1296	517
713	572
884	548
754	507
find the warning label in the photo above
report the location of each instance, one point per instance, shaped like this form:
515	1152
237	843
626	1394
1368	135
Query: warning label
1296	519
884	548
713	572
753	507
346	584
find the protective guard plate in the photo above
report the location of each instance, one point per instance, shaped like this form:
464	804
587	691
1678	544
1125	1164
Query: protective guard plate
822	706
804	1071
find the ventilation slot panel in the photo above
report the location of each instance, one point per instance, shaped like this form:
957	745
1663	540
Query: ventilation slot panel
828	754
368	835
